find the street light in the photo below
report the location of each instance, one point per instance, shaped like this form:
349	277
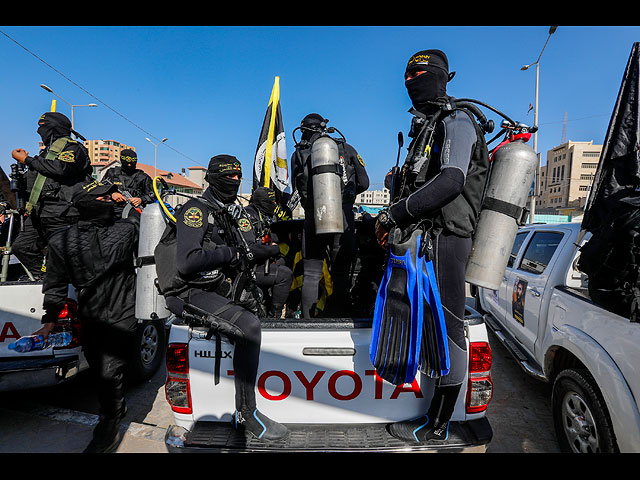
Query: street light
48	89
532	206
155	161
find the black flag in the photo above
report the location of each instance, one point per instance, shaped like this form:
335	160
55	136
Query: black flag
270	167
616	185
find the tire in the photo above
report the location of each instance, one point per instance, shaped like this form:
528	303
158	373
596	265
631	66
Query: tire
150	353
580	416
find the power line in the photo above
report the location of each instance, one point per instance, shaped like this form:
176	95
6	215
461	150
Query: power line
96	98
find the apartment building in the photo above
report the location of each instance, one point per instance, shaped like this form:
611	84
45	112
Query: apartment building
566	179
373	198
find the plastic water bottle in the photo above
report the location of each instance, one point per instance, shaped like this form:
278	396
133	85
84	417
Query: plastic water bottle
37	342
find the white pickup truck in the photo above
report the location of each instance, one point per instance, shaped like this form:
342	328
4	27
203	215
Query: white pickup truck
544	317
20	314
315	376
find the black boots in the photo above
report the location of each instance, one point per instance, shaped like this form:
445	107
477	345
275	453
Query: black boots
254	423
107	435
435	424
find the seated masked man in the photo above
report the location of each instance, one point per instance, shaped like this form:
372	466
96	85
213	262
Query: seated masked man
270	269
204	259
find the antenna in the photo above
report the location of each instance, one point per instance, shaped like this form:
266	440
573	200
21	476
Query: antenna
564	129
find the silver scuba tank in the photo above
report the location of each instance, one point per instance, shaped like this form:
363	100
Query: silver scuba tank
149	303
512	173
327	192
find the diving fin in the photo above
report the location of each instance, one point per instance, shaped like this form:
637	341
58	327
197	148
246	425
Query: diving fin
434	351
397	320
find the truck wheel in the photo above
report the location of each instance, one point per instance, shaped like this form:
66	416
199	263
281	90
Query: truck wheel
150	352
580	415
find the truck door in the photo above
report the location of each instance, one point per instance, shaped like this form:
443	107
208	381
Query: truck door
525	285
495	301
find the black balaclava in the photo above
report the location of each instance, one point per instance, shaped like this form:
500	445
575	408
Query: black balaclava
424	89
92	210
128	160
221	185
311	124
53	125
264	198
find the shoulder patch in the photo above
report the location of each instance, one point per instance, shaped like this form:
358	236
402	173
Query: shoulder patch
244	224
360	160
67	156
193	217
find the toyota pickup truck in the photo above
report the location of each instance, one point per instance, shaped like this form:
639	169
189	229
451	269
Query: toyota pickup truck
543	315
315	376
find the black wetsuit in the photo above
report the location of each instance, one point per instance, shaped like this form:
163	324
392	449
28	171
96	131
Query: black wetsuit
201	250
455	141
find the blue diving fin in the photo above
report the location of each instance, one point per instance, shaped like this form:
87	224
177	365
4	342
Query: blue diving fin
397	320
434	356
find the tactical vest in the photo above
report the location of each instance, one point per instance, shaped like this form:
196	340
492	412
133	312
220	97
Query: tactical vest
459	216
170	281
53	187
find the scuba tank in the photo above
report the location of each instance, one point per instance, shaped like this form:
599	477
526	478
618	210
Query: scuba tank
326	172
327	191
513	167
150	304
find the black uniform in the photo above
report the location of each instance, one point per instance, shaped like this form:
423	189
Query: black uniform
203	261
54	208
131	181
270	269
96	256
447	190
341	246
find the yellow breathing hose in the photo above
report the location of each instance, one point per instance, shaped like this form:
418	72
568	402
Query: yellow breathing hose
164	207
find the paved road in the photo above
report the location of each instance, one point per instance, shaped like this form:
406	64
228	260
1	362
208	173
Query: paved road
60	420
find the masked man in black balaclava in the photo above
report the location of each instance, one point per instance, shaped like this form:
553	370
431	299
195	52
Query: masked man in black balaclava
96	256
62	164
447	191
270	269
203	260
342	247
134	185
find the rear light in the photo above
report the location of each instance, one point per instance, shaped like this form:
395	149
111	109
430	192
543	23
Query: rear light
68	321
177	389
480	388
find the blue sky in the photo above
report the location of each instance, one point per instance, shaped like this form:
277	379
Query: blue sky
206	88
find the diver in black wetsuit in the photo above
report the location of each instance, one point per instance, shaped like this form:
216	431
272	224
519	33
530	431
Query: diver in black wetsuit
202	253
447	190
342	247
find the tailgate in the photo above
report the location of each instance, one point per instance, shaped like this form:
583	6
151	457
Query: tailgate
316	372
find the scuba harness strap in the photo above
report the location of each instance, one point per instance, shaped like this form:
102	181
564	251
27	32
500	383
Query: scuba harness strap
55	149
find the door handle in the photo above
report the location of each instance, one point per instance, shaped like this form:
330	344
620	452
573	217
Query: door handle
534	292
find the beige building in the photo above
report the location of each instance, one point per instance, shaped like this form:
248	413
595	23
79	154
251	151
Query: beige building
373	198
566	179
